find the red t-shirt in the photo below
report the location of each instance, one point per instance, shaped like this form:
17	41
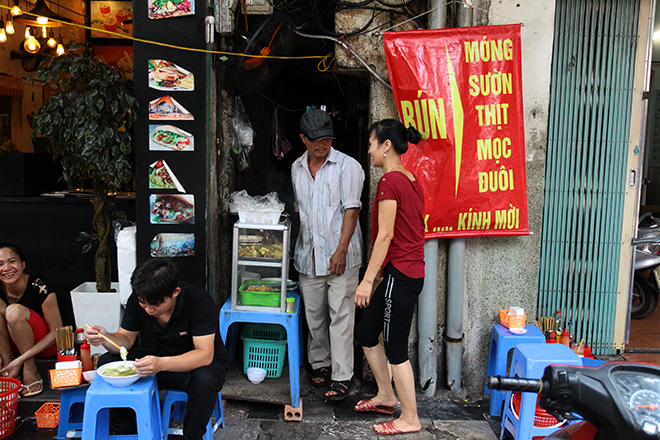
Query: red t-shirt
406	251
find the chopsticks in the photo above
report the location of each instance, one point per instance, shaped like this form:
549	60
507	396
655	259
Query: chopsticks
106	338
64	340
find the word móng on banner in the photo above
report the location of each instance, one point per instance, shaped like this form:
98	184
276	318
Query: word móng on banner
488	50
426	115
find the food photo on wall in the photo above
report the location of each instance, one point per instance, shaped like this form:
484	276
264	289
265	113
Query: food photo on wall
167	108
159	9
169	137
165	75
172	208
166	244
161	176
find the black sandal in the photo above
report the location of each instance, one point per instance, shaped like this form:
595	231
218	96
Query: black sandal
322	373
342	388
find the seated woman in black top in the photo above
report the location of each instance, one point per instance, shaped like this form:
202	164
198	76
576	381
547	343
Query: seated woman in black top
181	321
29	315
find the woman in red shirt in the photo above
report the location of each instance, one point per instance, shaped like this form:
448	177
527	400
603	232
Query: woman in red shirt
398	253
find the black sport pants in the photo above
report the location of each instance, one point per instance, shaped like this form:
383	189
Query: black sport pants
390	312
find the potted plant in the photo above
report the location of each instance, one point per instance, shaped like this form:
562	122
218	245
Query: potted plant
89	120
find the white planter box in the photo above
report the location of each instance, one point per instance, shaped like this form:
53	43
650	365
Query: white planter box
97	308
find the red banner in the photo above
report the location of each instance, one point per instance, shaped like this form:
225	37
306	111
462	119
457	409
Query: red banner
462	89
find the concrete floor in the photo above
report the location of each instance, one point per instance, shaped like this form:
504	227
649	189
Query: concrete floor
644	343
443	417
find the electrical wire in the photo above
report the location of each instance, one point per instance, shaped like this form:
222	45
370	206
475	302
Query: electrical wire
345	46
172	46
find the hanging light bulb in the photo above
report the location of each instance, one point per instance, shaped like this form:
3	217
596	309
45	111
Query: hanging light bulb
52	42
15	10
9	27
3	35
60	49
28	34
31	45
44	32
42	20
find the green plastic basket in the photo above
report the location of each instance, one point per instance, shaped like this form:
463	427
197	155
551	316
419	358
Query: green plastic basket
263	299
264	346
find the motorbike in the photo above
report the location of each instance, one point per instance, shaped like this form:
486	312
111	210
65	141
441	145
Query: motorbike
646	280
616	401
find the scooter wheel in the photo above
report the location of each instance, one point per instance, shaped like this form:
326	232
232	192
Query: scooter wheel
645	297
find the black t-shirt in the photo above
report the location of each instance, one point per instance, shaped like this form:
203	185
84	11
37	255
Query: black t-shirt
32	298
195	314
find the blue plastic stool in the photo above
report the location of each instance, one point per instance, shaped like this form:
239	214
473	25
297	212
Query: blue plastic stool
290	321
178	399
71	417
501	341
141	397
529	361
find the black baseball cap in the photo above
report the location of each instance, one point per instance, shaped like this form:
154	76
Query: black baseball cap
315	124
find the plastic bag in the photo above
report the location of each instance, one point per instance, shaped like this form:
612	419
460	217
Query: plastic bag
242	127
242	137
281	145
242	201
239	153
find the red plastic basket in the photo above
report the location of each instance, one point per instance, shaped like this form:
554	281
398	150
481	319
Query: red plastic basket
541	417
9	388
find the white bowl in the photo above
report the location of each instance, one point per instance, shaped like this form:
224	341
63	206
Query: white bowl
89	375
122	381
256	375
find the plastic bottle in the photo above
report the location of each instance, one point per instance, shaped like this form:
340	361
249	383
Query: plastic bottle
86	356
570	332
78	340
565	338
559	323
587	351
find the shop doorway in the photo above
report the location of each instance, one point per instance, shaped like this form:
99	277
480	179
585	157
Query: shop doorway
298	86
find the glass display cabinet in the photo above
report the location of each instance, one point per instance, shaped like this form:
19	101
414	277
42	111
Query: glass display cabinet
260	263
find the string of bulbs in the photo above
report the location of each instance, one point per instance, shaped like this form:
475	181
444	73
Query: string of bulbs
31	43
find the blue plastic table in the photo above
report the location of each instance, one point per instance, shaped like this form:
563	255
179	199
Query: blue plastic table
292	323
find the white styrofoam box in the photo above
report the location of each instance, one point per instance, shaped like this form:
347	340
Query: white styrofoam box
126	260
67	364
259	217
97	308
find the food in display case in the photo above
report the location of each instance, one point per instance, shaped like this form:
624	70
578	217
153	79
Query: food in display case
265	245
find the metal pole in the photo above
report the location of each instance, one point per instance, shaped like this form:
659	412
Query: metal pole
456	271
427	310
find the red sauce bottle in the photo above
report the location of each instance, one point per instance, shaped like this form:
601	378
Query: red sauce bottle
86	356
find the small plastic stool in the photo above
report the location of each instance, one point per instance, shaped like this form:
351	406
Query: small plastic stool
290	321
501	341
529	361
71	418
140	396
178	399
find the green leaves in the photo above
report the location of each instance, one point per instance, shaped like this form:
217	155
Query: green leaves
89	119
